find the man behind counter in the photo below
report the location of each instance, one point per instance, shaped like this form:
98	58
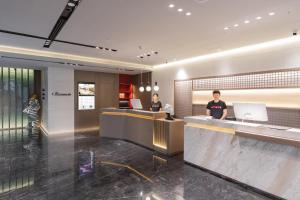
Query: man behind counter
216	108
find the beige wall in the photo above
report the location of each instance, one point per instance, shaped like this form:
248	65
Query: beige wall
268	59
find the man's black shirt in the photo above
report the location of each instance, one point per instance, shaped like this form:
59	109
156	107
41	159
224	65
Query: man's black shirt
216	108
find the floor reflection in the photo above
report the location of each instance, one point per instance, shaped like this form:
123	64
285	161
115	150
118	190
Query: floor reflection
88	167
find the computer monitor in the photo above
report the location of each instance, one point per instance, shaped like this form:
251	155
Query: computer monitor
136	104
250	111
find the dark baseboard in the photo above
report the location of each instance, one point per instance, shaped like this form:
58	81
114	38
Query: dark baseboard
240	184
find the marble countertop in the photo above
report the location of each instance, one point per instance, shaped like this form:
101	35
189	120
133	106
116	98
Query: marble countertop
249	129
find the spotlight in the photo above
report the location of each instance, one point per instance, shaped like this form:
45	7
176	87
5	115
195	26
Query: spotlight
226	28
180	10
271	13
71	4
236	25
295	32
171	6
246	21
258	18
188	13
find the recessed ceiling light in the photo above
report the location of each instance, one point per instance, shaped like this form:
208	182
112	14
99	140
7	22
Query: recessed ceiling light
258	18
97	47
246	21
171	6
236	25
71	4
180	10
271	13
188	13
226	28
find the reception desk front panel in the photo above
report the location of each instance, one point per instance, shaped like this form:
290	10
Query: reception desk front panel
145	128
257	155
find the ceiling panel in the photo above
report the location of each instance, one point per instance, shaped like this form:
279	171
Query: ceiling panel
134	27
35	17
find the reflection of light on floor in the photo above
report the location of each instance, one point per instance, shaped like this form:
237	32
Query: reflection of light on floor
158	161
13	135
17	183
156	197
160	146
127	167
81	130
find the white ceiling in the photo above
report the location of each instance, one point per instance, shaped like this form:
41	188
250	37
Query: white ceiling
127	24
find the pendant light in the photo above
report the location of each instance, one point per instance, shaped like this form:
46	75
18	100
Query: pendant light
141	88
156	88
148	88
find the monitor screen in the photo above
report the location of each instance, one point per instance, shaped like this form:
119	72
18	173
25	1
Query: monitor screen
136	104
86	96
250	111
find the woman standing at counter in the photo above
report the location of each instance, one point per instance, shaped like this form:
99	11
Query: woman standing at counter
156	105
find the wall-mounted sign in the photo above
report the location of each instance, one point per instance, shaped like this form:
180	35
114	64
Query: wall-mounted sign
61	94
86	96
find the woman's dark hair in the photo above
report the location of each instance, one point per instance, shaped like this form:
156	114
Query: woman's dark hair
155	94
216	92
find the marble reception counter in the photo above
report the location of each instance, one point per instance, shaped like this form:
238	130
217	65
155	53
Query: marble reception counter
262	156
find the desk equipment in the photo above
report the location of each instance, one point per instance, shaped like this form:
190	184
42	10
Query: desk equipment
136	104
250	111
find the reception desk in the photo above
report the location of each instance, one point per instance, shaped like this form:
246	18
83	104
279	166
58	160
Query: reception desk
261	156
145	128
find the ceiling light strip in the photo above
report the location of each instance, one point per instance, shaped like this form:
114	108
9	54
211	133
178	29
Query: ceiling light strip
65	56
245	49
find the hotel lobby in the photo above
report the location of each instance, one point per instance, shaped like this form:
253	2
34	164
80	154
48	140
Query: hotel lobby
149	100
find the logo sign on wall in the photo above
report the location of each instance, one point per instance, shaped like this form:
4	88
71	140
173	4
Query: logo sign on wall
86	96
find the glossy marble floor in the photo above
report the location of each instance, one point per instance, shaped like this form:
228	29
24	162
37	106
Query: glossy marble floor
87	167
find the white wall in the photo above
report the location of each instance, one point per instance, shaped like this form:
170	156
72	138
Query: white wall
59	110
268	59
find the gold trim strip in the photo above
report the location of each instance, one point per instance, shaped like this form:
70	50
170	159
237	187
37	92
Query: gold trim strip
128	167
212	128
160	146
128	115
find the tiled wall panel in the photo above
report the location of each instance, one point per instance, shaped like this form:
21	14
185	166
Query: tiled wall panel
183	98
277	79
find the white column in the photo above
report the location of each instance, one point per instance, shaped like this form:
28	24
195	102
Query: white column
58	116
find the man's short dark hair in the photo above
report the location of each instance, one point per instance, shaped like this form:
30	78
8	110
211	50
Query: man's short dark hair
155	94
217	92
